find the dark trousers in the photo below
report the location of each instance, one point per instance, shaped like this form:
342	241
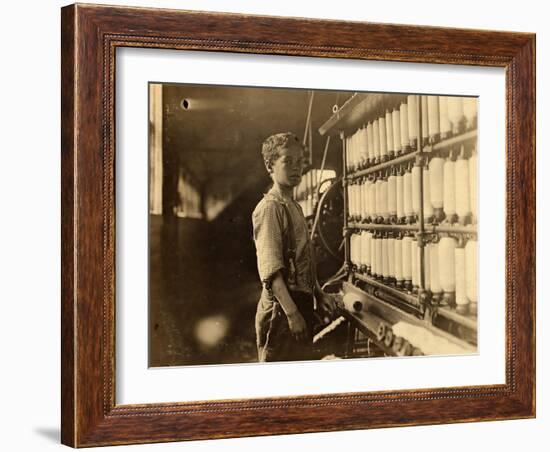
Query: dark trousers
273	337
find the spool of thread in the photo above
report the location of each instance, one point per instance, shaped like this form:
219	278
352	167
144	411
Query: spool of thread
379	264
469	105
472	173
348	158
351	155
384	210
360	247
406	261
435	285
352	302
385	260
391	258
376	140
360	200
372	201
352	152
389	134
383	139
364	145
428	210
460	281
407	194
425	130
449	199
455	111
404	127
379	198
471	274
358	150
370	143
398	261
433	118
352	248
447	246
367	198
373	255
361	206
462	189
365	252
399	195
365	189
436	186
445	127
364	198
392	195
415	176
353	201
412	117
396	126
367	238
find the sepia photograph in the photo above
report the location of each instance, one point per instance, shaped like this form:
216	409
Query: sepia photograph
295	224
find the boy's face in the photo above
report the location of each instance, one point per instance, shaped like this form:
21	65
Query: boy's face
287	169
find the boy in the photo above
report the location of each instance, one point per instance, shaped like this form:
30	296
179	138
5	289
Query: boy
284	317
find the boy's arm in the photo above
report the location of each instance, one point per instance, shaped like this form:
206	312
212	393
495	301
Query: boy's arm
296	322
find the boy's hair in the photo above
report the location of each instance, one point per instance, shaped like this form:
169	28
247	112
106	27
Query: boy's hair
273	144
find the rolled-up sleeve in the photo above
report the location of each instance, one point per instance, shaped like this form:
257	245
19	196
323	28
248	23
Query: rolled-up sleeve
268	227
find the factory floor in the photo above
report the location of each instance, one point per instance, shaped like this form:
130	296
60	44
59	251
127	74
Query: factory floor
203	292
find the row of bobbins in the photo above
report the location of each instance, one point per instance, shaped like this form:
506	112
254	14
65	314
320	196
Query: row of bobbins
393	258
392	195
395	133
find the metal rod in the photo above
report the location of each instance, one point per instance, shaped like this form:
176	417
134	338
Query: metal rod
381	166
383	227
310	136
325	152
345	195
457	318
410	299
450	142
422	281
304	141
452	229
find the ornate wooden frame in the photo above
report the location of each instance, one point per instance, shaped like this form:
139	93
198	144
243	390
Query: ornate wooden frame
90	35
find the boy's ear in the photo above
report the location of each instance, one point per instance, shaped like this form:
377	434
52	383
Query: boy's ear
267	166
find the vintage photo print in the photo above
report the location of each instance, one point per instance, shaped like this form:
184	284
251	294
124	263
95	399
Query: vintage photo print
296	224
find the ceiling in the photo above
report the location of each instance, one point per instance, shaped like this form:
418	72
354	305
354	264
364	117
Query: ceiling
216	132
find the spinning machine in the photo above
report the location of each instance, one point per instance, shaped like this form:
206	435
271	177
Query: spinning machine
409	213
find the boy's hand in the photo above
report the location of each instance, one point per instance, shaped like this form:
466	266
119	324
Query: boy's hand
327	302
297	326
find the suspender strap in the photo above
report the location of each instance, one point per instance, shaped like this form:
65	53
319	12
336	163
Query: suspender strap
290	251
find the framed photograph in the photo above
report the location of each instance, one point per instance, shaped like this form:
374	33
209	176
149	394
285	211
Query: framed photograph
281	225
